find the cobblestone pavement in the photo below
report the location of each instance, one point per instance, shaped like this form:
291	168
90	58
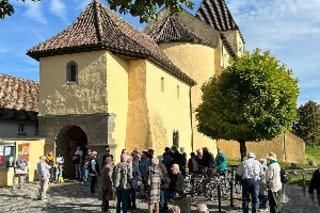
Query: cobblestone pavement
73	196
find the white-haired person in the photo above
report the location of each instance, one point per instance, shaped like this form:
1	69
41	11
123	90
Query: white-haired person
43	170
263	189
274	183
250	171
174	209
176	186
202	208
122	178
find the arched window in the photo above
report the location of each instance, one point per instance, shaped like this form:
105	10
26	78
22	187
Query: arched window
72	72
162	84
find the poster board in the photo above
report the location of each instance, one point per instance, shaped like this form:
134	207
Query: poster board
7	154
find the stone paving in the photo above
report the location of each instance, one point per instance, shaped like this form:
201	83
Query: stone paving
73	196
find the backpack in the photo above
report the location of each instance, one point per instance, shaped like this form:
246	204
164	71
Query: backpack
284	176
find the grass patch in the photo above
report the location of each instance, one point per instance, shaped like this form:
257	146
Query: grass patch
297	179
313	154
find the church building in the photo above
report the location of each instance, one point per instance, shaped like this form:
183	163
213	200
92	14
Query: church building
103	82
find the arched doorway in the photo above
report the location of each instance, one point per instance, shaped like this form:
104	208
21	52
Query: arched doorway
68	138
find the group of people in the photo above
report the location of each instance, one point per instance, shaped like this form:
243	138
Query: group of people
160	179
262	180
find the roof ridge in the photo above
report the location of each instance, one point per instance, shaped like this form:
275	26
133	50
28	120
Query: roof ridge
97	23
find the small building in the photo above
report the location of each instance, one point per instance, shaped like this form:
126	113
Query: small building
18	107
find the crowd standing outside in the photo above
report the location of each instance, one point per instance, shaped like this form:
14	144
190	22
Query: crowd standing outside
250	171
20	171
273	176
43	170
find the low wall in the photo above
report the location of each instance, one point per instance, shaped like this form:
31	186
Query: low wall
288	147
35	149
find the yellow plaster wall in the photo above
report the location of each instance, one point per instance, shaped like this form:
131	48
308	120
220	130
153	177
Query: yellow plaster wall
198	61
138	127
36	149
117	87
89	95
288	147
166	111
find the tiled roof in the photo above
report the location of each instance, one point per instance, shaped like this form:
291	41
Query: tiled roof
216	14
170	30
99	28
18	94
227	45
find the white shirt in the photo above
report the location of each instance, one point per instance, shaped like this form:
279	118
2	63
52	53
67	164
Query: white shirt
273	177
250	169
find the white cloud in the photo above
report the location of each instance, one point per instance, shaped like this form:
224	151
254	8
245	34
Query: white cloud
290	29
58	8
34	11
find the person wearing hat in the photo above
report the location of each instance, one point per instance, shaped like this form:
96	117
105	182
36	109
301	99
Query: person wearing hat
250	171
274	184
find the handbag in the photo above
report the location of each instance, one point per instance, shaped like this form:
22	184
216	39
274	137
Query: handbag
110	195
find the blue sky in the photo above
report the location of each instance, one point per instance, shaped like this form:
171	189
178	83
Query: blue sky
290	29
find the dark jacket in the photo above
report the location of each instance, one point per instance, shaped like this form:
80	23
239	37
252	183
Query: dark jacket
177	183
315	182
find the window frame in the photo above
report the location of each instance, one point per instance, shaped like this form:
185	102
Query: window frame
72	78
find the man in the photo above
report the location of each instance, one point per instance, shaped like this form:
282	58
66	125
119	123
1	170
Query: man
122	177
77	160
106	155
202	208
315	185
43	170
94	172
183	161
274	183
250	171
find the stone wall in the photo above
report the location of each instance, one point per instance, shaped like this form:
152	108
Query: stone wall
288	147
95	126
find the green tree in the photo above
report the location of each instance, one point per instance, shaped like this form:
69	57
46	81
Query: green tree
307	126
253	99
145	9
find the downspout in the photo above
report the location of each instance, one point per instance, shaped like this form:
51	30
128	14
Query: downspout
191	123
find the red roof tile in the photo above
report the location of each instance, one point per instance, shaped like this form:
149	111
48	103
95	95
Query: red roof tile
170	30
99	28
18	94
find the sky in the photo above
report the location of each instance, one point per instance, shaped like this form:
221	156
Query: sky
290	29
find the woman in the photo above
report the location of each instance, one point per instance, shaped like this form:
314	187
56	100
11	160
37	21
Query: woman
106	184
154	181
94	172
20	171
59	169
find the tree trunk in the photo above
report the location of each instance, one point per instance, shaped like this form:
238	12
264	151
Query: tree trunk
243	148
